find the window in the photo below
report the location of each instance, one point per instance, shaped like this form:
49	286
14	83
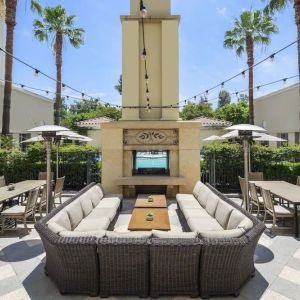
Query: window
297	138
284	136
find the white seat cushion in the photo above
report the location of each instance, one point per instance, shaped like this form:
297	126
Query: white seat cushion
221	234
120	196
97	234
188	203
93	225
204	224
98	213
75	213
195	213
173	235
62	219
223	213
280	210
109	203
212	203
129	235
14	211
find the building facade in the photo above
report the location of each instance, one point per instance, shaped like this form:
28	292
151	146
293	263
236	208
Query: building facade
279	114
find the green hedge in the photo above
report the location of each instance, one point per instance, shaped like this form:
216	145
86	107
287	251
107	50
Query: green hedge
16	165
282	163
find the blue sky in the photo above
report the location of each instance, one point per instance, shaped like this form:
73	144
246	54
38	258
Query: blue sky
96	66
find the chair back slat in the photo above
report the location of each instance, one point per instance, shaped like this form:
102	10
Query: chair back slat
298	180
2	181
242	182
43	176
268	199
43	196
253	192
32	199
59	185
256	176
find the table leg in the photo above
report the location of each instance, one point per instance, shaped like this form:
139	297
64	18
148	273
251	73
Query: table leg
296	219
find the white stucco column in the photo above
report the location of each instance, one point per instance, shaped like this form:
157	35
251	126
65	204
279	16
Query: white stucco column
2	40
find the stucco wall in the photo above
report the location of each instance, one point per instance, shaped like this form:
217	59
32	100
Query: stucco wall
27	110
278	112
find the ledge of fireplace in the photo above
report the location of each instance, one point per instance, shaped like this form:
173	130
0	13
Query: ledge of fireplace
151	180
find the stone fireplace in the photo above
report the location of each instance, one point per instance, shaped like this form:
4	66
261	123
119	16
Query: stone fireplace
159	130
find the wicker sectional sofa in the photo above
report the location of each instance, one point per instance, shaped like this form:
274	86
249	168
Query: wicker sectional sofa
84	257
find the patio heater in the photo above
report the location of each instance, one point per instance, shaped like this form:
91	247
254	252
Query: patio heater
49	132
246	132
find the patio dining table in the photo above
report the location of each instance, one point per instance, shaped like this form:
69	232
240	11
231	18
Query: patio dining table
20	188
286	191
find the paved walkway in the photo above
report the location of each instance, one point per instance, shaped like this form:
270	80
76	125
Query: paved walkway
22	259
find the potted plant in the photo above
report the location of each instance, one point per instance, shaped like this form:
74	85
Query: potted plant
150	216
11	187
150	198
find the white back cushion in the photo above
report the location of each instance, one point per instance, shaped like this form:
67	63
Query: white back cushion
212	203
236	217
62	219
223	212
75	213
137	234
55	227
246	224
86	204
96	194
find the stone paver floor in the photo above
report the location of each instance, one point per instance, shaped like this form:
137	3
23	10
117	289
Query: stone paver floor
22	258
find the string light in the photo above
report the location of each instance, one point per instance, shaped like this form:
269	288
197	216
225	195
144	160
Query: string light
272	57
143	9
36	72
243	73
147	92
222	85
284	80
147	78
63	86
144	55
258	87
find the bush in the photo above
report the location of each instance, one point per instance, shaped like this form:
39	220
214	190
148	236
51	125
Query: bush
75	161
282	163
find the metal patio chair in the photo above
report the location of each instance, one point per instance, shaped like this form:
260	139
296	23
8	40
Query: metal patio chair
43	176
59	185
255	199
2	181
256	176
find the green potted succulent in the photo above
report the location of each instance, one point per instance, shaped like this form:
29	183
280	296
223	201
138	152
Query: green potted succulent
150	198
11	187
150	216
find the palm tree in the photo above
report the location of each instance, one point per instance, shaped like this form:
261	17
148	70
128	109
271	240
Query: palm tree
252	28
10	20
58	26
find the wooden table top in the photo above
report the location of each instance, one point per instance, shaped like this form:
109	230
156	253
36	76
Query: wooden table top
159	201
287	191
20	188
138	220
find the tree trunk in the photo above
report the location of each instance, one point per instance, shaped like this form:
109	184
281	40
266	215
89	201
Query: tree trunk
250	62
297	19
10	20
58	57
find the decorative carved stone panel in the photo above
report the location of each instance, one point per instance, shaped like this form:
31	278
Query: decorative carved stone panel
133	137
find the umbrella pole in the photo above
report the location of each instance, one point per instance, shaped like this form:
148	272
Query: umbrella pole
49	194
246	171
57	159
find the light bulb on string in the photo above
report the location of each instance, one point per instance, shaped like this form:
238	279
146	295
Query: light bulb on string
244	74
206	92
36	72
63	86
284	80
147	78
147	92
222	85
148	100
143	10
144	54
47	92
195	98
82	96
68	97
272	57
258	87
22	86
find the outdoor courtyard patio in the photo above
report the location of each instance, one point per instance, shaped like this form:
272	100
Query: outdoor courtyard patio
22	258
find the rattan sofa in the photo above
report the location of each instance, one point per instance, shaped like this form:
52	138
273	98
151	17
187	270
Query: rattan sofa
142	265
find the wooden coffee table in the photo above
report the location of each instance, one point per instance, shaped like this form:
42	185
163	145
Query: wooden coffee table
159	201
138	220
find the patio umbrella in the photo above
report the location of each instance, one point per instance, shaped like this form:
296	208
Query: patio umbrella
35	139
214	138
49	133
268	138
246	133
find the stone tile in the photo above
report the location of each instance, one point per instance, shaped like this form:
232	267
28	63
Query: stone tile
19	294
297	254
291	275
6	271
271	295
286	288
